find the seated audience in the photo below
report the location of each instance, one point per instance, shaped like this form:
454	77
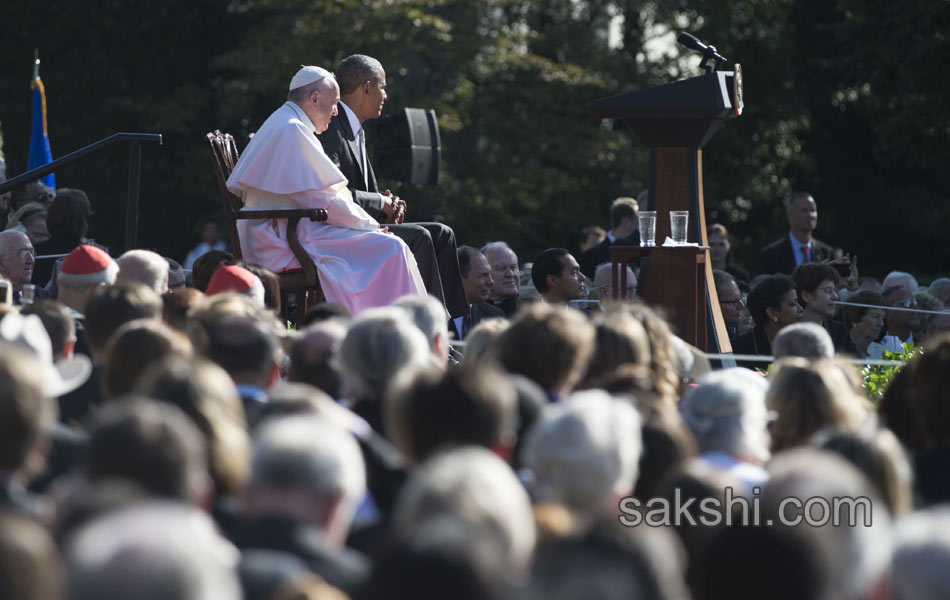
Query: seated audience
773	305
16	264
108	308
177	303
135	347
732	304
82	272
145	267
380	344
727	415
205	266
232	278
428	314
27	413
312	357
620	339
477	282
557	277
154	550
604	284
920	562
31	220
452	485
430	411
549	345
817	287
481	345
865	325
940	289
876	452
152	445
506	277
809	397
805	340
307	478
582	454
67	220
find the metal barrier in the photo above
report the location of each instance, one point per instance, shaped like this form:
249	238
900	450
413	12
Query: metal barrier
135	141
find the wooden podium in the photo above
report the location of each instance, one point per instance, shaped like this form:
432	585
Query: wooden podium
675	121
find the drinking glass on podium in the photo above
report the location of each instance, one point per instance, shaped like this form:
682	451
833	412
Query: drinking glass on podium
648	228
679	219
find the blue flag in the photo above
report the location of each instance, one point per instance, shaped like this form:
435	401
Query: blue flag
40	153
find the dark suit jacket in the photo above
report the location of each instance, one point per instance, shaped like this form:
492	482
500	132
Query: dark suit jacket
594	256
778	257
480	312
341	568
340	144
752	342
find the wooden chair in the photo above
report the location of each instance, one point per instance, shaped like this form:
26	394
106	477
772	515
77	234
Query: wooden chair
303	284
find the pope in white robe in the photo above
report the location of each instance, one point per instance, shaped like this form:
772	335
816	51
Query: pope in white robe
284	166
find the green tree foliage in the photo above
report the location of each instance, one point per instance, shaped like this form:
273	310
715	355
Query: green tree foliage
844	98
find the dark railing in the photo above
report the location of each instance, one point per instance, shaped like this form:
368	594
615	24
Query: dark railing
135	141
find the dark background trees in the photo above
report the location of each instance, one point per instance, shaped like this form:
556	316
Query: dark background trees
845	98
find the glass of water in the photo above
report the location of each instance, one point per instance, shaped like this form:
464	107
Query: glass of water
679	219
648	228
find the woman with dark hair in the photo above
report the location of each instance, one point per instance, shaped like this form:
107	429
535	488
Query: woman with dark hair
773	304
68	221
719	245
817	288
864	325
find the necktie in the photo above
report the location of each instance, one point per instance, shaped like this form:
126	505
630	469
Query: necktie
805	254
362	141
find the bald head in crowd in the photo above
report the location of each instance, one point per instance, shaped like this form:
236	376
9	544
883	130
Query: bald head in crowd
145	267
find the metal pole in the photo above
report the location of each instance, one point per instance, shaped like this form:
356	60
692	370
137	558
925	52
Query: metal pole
132	206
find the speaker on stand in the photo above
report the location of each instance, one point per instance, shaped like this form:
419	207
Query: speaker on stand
407	147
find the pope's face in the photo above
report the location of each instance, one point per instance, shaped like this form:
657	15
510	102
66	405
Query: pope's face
324	106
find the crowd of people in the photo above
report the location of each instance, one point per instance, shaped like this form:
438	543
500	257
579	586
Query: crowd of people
167	435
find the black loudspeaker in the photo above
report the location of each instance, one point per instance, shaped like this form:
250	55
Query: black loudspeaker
406	146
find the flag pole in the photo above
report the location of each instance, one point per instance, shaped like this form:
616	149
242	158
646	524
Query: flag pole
36	63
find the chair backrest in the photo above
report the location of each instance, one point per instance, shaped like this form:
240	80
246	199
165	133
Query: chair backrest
224	156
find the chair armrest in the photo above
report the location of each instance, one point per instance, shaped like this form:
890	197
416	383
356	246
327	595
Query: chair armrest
314	214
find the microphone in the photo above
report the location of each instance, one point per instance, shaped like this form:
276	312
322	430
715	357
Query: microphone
691	42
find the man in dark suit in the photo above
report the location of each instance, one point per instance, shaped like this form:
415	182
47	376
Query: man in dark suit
307	480
782	256
477	282
362	83
624	231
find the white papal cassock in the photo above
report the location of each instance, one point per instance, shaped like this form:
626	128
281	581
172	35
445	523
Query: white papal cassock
284	166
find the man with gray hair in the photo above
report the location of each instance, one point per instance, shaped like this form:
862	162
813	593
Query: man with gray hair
152	551
429	316
473	487
506	276
17	258
362	83
307	478
583	453
145	267
604	283
727	415
284	166
807	340
940	289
